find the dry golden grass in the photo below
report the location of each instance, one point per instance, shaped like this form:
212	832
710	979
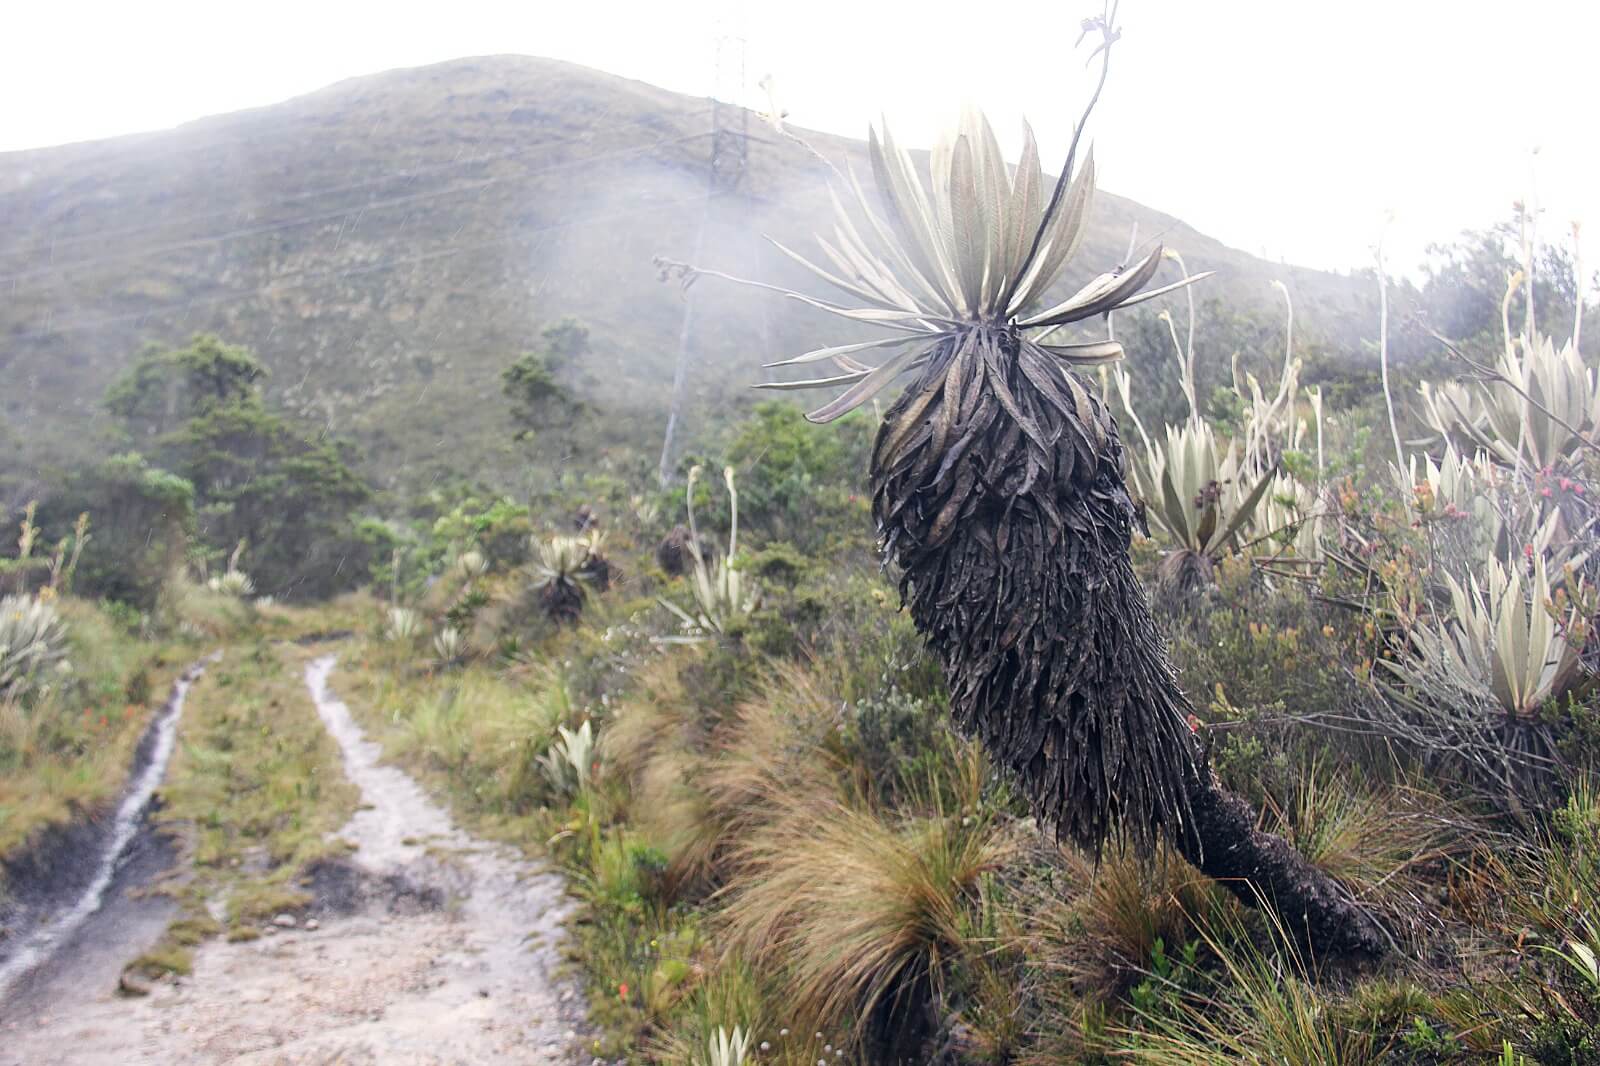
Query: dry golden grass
778	745
658	715
677	816
855	909
1095	927
696	789
1386	844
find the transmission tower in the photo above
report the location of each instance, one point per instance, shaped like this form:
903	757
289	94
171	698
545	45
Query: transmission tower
730	155
730	119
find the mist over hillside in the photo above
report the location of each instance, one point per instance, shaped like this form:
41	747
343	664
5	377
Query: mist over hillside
388	244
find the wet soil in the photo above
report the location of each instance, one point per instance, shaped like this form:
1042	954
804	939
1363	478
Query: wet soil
430	947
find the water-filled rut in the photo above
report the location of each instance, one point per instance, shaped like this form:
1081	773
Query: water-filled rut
448	954
52	926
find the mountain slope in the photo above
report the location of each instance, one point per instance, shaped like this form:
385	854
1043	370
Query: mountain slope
387	244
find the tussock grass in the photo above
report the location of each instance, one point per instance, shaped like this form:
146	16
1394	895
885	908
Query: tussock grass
860	911
1255	1007
1101	938
676	812
701	781
781	743
476	733
658	716
1385	844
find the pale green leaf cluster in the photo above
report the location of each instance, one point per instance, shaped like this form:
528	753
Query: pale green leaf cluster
233	583
33	640
1454	484
1539	410
470	565
646	509
722	593
1501	517
1510	638
403	625
720	590
1211	497
566	765
560	558
449	644
1291	512
728	1049
1197	491
976	241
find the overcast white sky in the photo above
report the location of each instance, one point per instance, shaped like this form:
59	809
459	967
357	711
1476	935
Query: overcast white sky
1288	128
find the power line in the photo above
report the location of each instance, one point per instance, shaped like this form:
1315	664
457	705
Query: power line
307	276
38	244
325	216
730	155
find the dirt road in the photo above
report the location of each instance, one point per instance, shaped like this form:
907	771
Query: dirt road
448	955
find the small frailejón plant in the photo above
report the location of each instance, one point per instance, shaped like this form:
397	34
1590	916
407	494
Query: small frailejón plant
1453	485
1476	679
33	640
1538	409
1496	512
728	1049
1511	640
568	761
469	565
1202	496
564	570
722	592
997	483
232	582
404	624
449	647
1207	497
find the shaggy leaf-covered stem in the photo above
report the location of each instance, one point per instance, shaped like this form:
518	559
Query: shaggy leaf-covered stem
1255	866
997	483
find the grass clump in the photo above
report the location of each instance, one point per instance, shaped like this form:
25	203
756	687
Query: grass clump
1250	1006
861	914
